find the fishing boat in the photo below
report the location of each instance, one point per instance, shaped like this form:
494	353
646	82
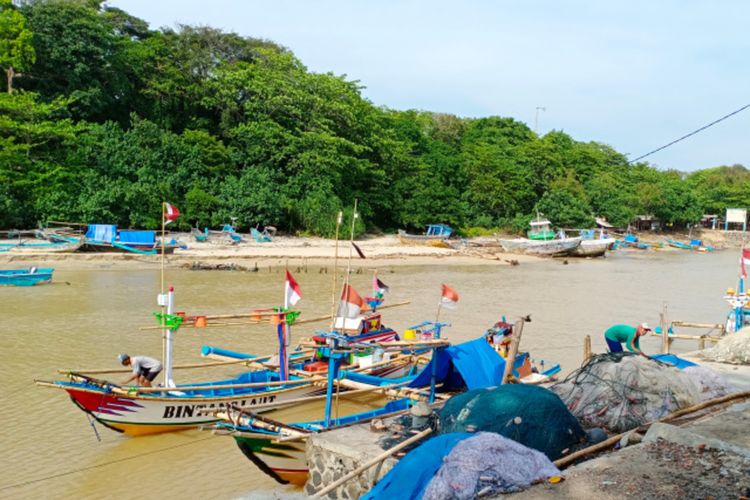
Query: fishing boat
278	448
539	241
26	277
107	238
632	241
36	246
547	248
293	379
593	246
435	235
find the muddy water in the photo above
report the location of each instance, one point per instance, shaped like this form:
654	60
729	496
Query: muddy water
49	449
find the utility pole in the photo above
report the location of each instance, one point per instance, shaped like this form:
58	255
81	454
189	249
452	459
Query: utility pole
536	118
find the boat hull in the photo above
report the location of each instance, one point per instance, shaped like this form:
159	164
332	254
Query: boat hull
548	248
143	415
26	277
284	462
593	248
438	241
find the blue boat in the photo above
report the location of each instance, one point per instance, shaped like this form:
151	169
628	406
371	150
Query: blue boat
26	277
435	235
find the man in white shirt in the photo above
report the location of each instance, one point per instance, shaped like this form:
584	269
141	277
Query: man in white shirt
145	369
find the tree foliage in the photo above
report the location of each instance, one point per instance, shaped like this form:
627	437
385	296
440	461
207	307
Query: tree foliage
111	118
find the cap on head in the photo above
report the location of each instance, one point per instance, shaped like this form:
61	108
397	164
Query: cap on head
644	326
122	357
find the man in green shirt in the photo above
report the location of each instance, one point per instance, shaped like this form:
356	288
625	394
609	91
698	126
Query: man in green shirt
624	334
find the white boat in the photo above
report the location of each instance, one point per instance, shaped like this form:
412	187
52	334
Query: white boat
593	245
549	248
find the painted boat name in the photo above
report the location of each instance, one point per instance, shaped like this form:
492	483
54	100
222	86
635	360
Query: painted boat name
185	411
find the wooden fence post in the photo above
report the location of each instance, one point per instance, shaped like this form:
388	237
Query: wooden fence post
586	348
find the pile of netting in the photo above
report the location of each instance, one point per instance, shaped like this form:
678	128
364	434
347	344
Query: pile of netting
527	414
622	391
733	348
488	464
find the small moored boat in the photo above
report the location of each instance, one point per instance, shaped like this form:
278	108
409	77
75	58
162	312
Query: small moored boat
26	277
435	235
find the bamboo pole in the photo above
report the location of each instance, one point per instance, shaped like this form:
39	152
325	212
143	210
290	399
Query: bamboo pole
196	365
565	461
586	348
688	337
249	315
664	330
515	341
372	462
688	324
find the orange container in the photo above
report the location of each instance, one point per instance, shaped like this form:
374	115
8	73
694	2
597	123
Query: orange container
201	322
318	366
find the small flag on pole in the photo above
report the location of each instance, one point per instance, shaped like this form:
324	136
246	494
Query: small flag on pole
351	303
449	297
745	261
378	287
170	213
291	290
359	251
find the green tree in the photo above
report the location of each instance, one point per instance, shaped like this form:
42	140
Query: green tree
16	50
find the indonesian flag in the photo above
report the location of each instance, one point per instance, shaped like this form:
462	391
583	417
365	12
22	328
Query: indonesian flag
449	298
744	261
292	293
378	287
170	213
351	303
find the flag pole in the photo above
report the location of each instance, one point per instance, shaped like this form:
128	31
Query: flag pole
339	219
351	240
162	300
282	328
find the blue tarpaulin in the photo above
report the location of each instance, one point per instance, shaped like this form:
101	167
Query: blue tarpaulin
145	238
414	472
472	365
101	232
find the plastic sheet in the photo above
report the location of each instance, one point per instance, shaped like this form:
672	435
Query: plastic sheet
488	464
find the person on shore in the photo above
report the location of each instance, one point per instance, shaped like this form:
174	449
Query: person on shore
617	335
145	369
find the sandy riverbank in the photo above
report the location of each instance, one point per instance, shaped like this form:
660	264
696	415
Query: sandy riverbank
296	251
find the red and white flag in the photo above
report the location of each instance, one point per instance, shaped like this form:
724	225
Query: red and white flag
744	261
292	292
170	213
449	297
351	303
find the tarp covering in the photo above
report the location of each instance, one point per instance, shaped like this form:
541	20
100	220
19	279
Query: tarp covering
145	238
488	464
101	232
528	414
472	365
410	477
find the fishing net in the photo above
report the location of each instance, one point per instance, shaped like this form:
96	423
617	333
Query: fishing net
711	384
733	348
488	464
527	414
621	391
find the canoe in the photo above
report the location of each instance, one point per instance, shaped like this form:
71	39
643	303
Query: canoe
50	246
25	277
549	248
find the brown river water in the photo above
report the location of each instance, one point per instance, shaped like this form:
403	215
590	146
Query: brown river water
88	316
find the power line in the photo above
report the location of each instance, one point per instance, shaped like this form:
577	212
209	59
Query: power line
692	133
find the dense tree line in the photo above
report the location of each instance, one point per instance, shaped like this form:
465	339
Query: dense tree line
102	118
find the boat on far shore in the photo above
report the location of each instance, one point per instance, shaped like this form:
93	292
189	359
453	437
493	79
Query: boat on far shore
542	240
435	235
26	277
593	246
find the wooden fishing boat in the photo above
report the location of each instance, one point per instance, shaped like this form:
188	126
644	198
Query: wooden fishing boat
593	244
139	411
26	277
278	448
632	241
34	246
435	235
547	248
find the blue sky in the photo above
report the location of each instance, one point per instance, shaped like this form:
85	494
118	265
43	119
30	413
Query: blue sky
631	74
